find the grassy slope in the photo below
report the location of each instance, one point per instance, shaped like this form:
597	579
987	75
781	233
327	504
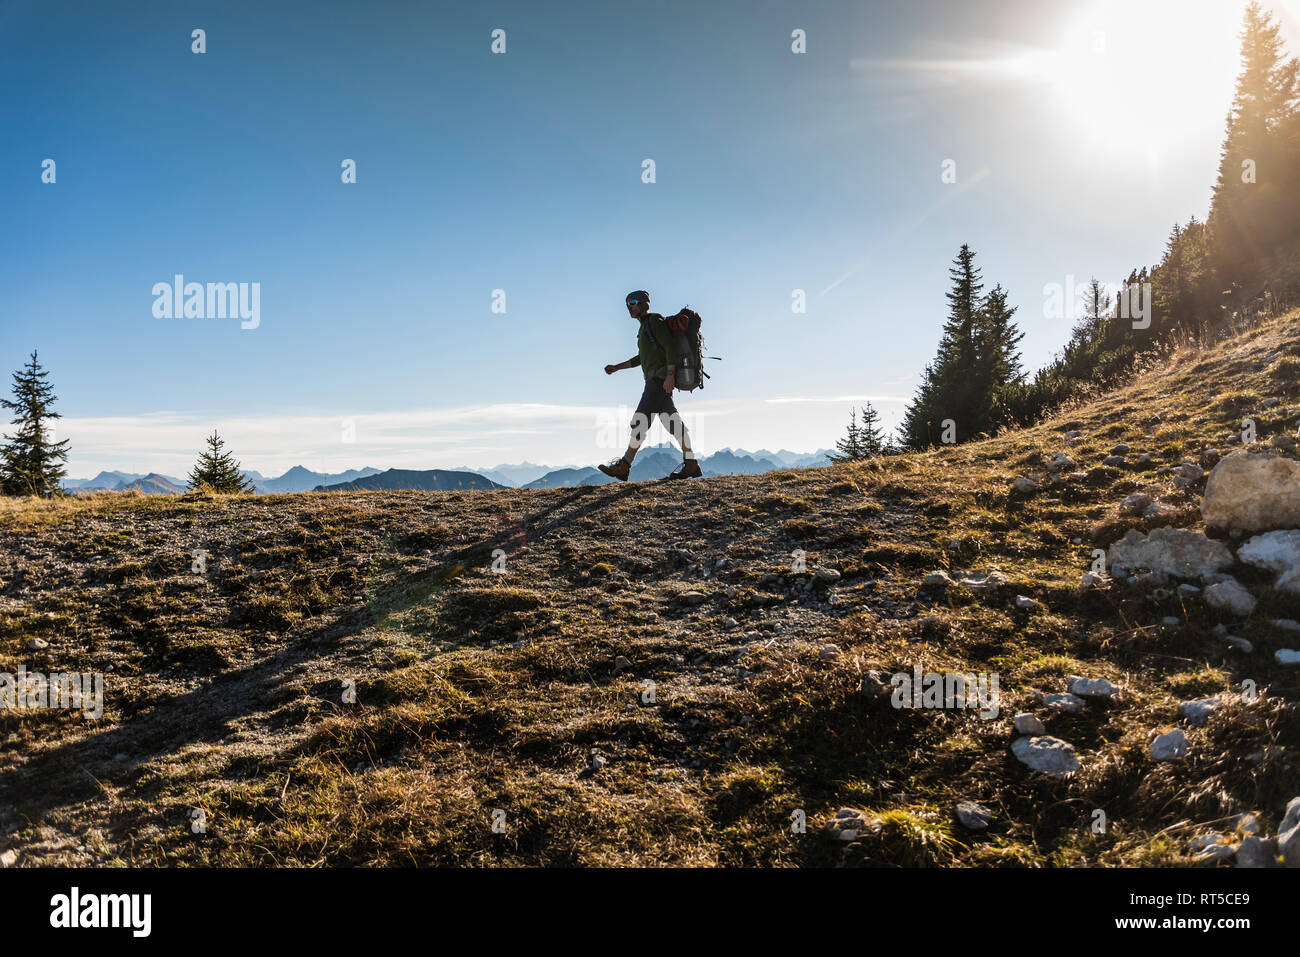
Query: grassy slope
479	692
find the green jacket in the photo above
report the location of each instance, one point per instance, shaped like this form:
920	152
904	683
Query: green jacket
656	346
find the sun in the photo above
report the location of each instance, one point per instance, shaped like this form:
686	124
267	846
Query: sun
1140	75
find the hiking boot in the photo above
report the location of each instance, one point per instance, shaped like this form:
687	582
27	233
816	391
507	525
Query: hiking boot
618	469
688	469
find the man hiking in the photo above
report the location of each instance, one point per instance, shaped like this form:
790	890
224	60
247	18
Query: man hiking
656	355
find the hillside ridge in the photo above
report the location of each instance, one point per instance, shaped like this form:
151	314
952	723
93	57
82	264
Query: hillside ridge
762	615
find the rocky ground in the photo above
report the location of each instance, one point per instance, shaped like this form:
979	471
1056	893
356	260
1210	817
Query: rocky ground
696	672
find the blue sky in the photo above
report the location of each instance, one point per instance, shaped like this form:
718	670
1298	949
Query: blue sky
775	171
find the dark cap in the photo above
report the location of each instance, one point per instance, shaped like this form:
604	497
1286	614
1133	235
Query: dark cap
640	294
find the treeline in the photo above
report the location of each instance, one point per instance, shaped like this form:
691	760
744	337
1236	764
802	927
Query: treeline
32	462
1245	257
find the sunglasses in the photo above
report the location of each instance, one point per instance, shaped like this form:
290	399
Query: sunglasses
635	302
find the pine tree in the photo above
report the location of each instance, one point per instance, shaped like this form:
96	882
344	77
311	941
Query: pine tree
998	368
849	448
873	436
950	388
30	464
862	441
920	426
218	471
1248	218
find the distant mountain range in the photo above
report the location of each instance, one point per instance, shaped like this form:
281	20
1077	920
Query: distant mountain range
426	479
654	461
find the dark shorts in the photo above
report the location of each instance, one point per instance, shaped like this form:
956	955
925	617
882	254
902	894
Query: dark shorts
654	400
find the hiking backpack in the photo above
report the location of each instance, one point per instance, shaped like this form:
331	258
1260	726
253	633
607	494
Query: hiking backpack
685	327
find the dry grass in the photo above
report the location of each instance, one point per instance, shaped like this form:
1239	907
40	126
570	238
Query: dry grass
478	694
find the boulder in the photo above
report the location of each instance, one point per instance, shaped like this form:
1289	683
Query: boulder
1278	552
1024	485
1257	852
1248	493
936	579
1169	551
1288	834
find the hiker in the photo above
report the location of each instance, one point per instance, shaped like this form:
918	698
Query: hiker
656	355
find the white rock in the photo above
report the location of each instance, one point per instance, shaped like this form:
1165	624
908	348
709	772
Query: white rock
1188	474
1286	624
975	817
1067	703
1257	852
1248	493
1023	484
1287	657
1046	754
1156	509
37	644
1060	461
1025	602
1092	578
830	651
1205	840
1170	745
849	824
1278	552
1169	551
935	579
828	575
1198	711
1091	687
693	597
9	858
986	582
1288	834
1026	723
1230	595
1242	643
